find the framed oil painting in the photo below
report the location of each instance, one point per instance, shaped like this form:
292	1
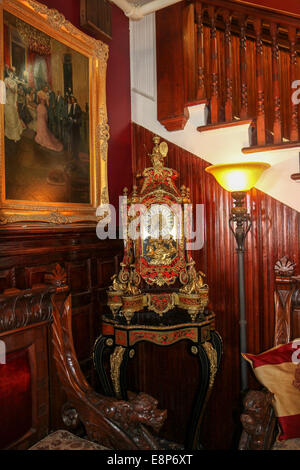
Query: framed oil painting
53	124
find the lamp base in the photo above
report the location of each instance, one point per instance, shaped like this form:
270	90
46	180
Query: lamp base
239	221
239	209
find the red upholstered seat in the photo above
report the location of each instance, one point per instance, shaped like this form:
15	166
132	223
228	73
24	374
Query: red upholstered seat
15	397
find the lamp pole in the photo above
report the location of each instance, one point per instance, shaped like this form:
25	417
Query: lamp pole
240	224
239	178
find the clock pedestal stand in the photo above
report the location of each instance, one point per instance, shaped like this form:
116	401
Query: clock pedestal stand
159	299
120	341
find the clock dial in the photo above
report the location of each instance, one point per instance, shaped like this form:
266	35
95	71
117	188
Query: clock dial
158	235
159	221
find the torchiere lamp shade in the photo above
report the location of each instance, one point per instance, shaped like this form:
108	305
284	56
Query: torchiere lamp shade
237	176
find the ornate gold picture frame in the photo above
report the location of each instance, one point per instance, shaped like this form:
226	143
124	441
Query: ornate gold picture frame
53	160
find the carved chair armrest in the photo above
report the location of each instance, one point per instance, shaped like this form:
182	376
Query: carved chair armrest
258	421
116	424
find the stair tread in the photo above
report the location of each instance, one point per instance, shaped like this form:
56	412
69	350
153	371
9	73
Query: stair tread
269	147
221	125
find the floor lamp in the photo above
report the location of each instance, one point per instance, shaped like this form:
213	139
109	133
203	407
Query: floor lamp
238	178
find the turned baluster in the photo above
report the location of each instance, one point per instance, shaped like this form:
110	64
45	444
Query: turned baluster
214	100
260	100
294	131
243	66
276	84
228	66
200	51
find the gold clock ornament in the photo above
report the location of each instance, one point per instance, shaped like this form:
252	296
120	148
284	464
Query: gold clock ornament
163	148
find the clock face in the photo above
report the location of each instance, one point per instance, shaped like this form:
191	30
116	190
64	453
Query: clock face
159	222
159	235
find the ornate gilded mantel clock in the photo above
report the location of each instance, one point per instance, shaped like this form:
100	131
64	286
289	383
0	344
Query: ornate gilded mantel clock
158	296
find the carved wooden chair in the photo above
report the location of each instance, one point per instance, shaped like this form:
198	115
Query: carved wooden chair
114	423
109	423
260	425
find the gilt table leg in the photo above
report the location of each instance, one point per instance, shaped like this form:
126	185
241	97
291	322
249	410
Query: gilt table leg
118	367
116	360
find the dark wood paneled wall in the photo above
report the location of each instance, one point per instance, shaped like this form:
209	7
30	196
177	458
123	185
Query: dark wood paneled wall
26	256
275	232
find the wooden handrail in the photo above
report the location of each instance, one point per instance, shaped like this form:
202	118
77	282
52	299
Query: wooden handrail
258	11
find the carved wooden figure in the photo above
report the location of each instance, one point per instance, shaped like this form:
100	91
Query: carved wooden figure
258	421
285	286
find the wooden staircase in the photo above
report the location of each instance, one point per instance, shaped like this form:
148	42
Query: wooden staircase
241	61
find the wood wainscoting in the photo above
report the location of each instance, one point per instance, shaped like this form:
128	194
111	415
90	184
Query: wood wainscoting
28	256
275	232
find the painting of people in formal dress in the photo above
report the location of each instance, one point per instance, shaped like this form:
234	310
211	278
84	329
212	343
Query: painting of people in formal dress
46	117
